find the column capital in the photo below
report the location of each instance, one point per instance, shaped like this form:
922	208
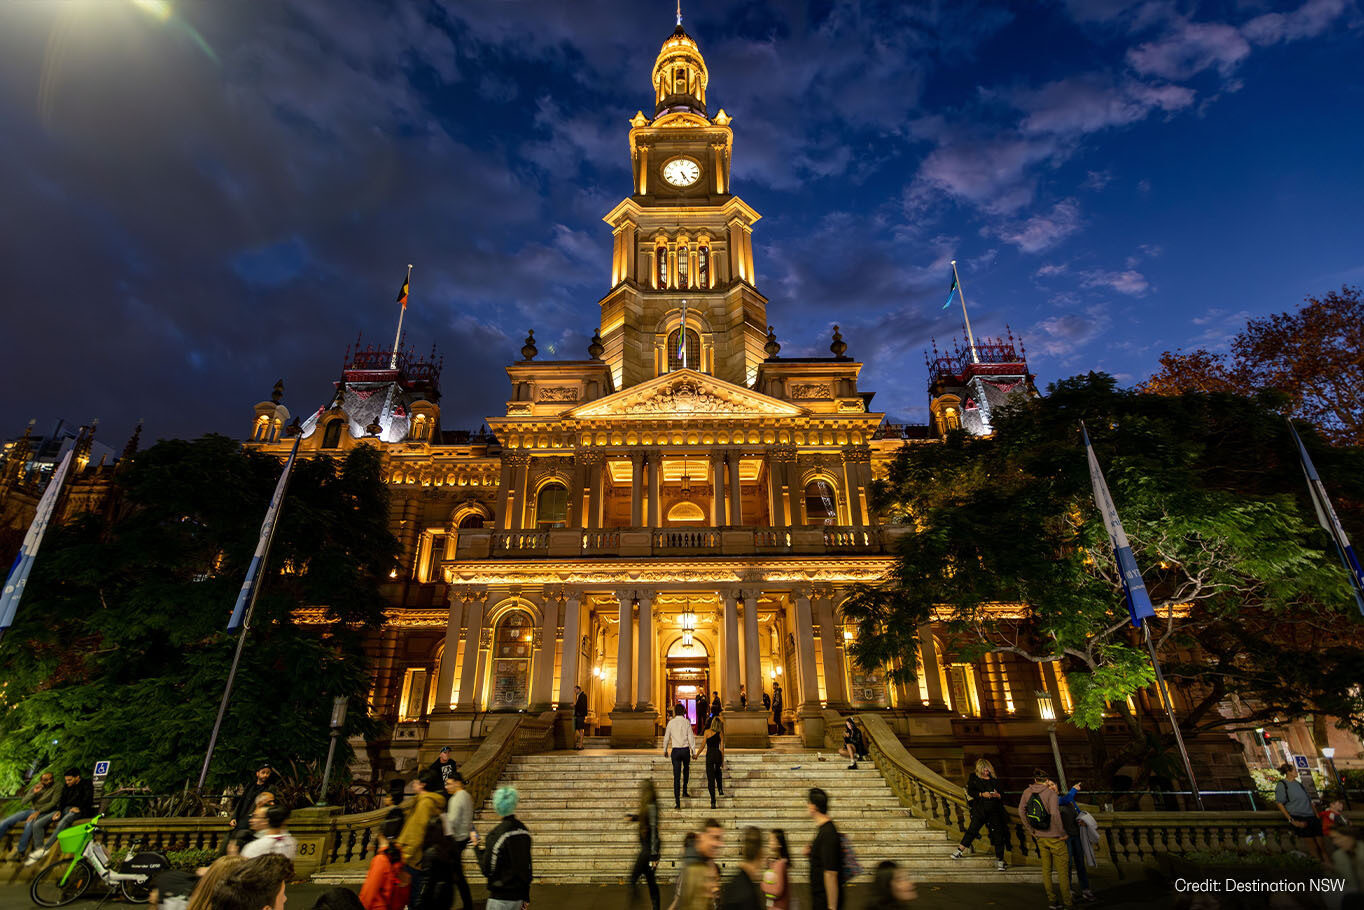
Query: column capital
802	592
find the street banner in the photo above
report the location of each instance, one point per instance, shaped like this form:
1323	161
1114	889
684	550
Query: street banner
1138	601
23	563
267	534
1326	517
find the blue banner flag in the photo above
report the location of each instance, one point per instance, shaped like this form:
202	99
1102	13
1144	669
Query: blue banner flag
1326	517
23	563
951	292
1134	589
247	596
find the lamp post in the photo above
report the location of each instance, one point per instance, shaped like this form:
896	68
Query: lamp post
1048	711
1329	753
338	721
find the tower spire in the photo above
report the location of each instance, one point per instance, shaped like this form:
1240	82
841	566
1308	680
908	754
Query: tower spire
679	12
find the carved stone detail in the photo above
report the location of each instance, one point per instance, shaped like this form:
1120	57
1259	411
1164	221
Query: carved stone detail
485	638
812	390
687	398
558	393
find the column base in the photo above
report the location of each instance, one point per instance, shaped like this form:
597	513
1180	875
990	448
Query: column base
444	728
746	729
631	729
810	726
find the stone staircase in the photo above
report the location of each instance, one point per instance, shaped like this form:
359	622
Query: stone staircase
576	806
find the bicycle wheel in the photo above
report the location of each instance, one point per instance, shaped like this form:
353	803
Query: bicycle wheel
48	889
147	864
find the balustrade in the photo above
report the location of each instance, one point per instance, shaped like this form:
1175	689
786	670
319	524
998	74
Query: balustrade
522	541
686	539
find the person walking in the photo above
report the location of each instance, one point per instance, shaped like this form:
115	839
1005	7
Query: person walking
579	717
459	819
679	744
1347	862
263	781
714	706
1295	803
78	801
698	884
852	742
506	861
987	811
41	800
777	878
776	708
1040	814
1078	845
650	846
392	800
715	756
744	891
428	804
826	855
891	888
437	892
388	883
1332	815
275	838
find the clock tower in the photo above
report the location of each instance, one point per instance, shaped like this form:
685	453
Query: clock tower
682	236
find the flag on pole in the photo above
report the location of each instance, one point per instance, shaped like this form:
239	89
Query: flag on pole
1134	589
951	292
247	595
402	292
1326	517
23	563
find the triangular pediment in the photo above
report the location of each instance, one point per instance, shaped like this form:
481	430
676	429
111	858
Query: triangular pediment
685	395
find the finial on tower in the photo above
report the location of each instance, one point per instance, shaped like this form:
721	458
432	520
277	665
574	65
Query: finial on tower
839	347
595	349
529	350
278	393
772	348
679	12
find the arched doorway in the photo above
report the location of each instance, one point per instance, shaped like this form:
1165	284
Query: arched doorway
512	645
687	669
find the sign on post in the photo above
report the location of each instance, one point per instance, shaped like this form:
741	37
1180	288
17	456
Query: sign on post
101	770
1300	762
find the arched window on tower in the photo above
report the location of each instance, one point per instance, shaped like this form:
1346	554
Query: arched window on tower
693	351
682	265
703	267
551	506
512	646
661	257
680	80
821	508
472	520
331	436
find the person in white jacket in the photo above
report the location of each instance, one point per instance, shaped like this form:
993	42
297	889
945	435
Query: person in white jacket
679	743
1347	862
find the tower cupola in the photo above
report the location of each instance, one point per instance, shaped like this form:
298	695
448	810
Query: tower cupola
680	75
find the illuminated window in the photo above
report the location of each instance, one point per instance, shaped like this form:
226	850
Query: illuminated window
551	506
964	695
686	512
414	694
436	558
661	257
1063	688
680	81
820	505
472	520
703	267
331	437
951	420
512	646
693	351
1000	692
682	264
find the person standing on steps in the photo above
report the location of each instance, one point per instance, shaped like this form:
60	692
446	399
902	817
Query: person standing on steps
777	878
442	767
715	756
743	698
702	712
852	742
987	811
506	861
579	717
767	703
679	744
459	819
650	846
826	856
776	708
714	706
744	889
1040	814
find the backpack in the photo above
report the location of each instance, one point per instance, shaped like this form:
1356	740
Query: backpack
1039	818
851	867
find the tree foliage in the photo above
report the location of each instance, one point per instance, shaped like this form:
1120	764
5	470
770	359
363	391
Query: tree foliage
1210	492
120	650
1314	356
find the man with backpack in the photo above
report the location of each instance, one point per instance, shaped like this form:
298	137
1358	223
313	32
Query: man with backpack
1293	800
1042	816
827	861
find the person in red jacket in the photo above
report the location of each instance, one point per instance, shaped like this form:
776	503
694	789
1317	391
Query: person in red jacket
388	884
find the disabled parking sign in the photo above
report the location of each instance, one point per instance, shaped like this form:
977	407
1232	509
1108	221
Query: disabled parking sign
1300	761
101	770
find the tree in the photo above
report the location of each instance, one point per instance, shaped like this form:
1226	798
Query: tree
120	650
1008	545
1314	356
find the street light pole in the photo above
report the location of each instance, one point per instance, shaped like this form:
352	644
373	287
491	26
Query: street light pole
1047	708
338	721
1329	753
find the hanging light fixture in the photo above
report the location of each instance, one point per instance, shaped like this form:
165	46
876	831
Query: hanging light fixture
686	479
688	627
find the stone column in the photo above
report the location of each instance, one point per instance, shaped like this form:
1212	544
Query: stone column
794	491
542	685
776	516
645	653
624	651
445	683
929	667
718	494
655	469
504	496
595	466
636	489
752	650
577	495
568	665
831	636
473	620
731	648
852	487
805	650
735	490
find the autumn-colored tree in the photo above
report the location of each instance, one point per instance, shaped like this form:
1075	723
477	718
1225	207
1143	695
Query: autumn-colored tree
1313	355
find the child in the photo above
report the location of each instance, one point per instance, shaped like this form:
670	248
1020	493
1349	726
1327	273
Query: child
1333	815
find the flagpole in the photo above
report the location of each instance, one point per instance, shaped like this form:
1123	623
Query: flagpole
250	609
971	340
393	361
1170	710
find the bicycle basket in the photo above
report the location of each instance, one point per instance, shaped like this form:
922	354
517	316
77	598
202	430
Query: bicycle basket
73	838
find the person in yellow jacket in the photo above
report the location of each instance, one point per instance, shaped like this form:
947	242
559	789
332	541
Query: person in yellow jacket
428	803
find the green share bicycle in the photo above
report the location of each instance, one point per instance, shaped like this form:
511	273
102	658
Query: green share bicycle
61	883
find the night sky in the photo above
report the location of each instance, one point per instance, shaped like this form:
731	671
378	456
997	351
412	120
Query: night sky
201	197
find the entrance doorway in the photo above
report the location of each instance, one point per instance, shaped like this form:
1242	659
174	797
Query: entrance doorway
687	668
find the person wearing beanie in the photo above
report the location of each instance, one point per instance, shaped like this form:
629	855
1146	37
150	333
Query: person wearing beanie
505	860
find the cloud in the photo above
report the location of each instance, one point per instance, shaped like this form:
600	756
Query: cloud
1307	21
1044	231
1092	102
1051	270
1189	49
1064	335
1129	282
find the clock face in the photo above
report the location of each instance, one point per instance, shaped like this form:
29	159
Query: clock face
681	172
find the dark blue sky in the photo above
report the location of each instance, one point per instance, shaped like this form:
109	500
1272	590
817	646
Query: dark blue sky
199	198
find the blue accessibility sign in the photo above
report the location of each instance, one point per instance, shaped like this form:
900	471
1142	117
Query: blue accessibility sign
101	769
